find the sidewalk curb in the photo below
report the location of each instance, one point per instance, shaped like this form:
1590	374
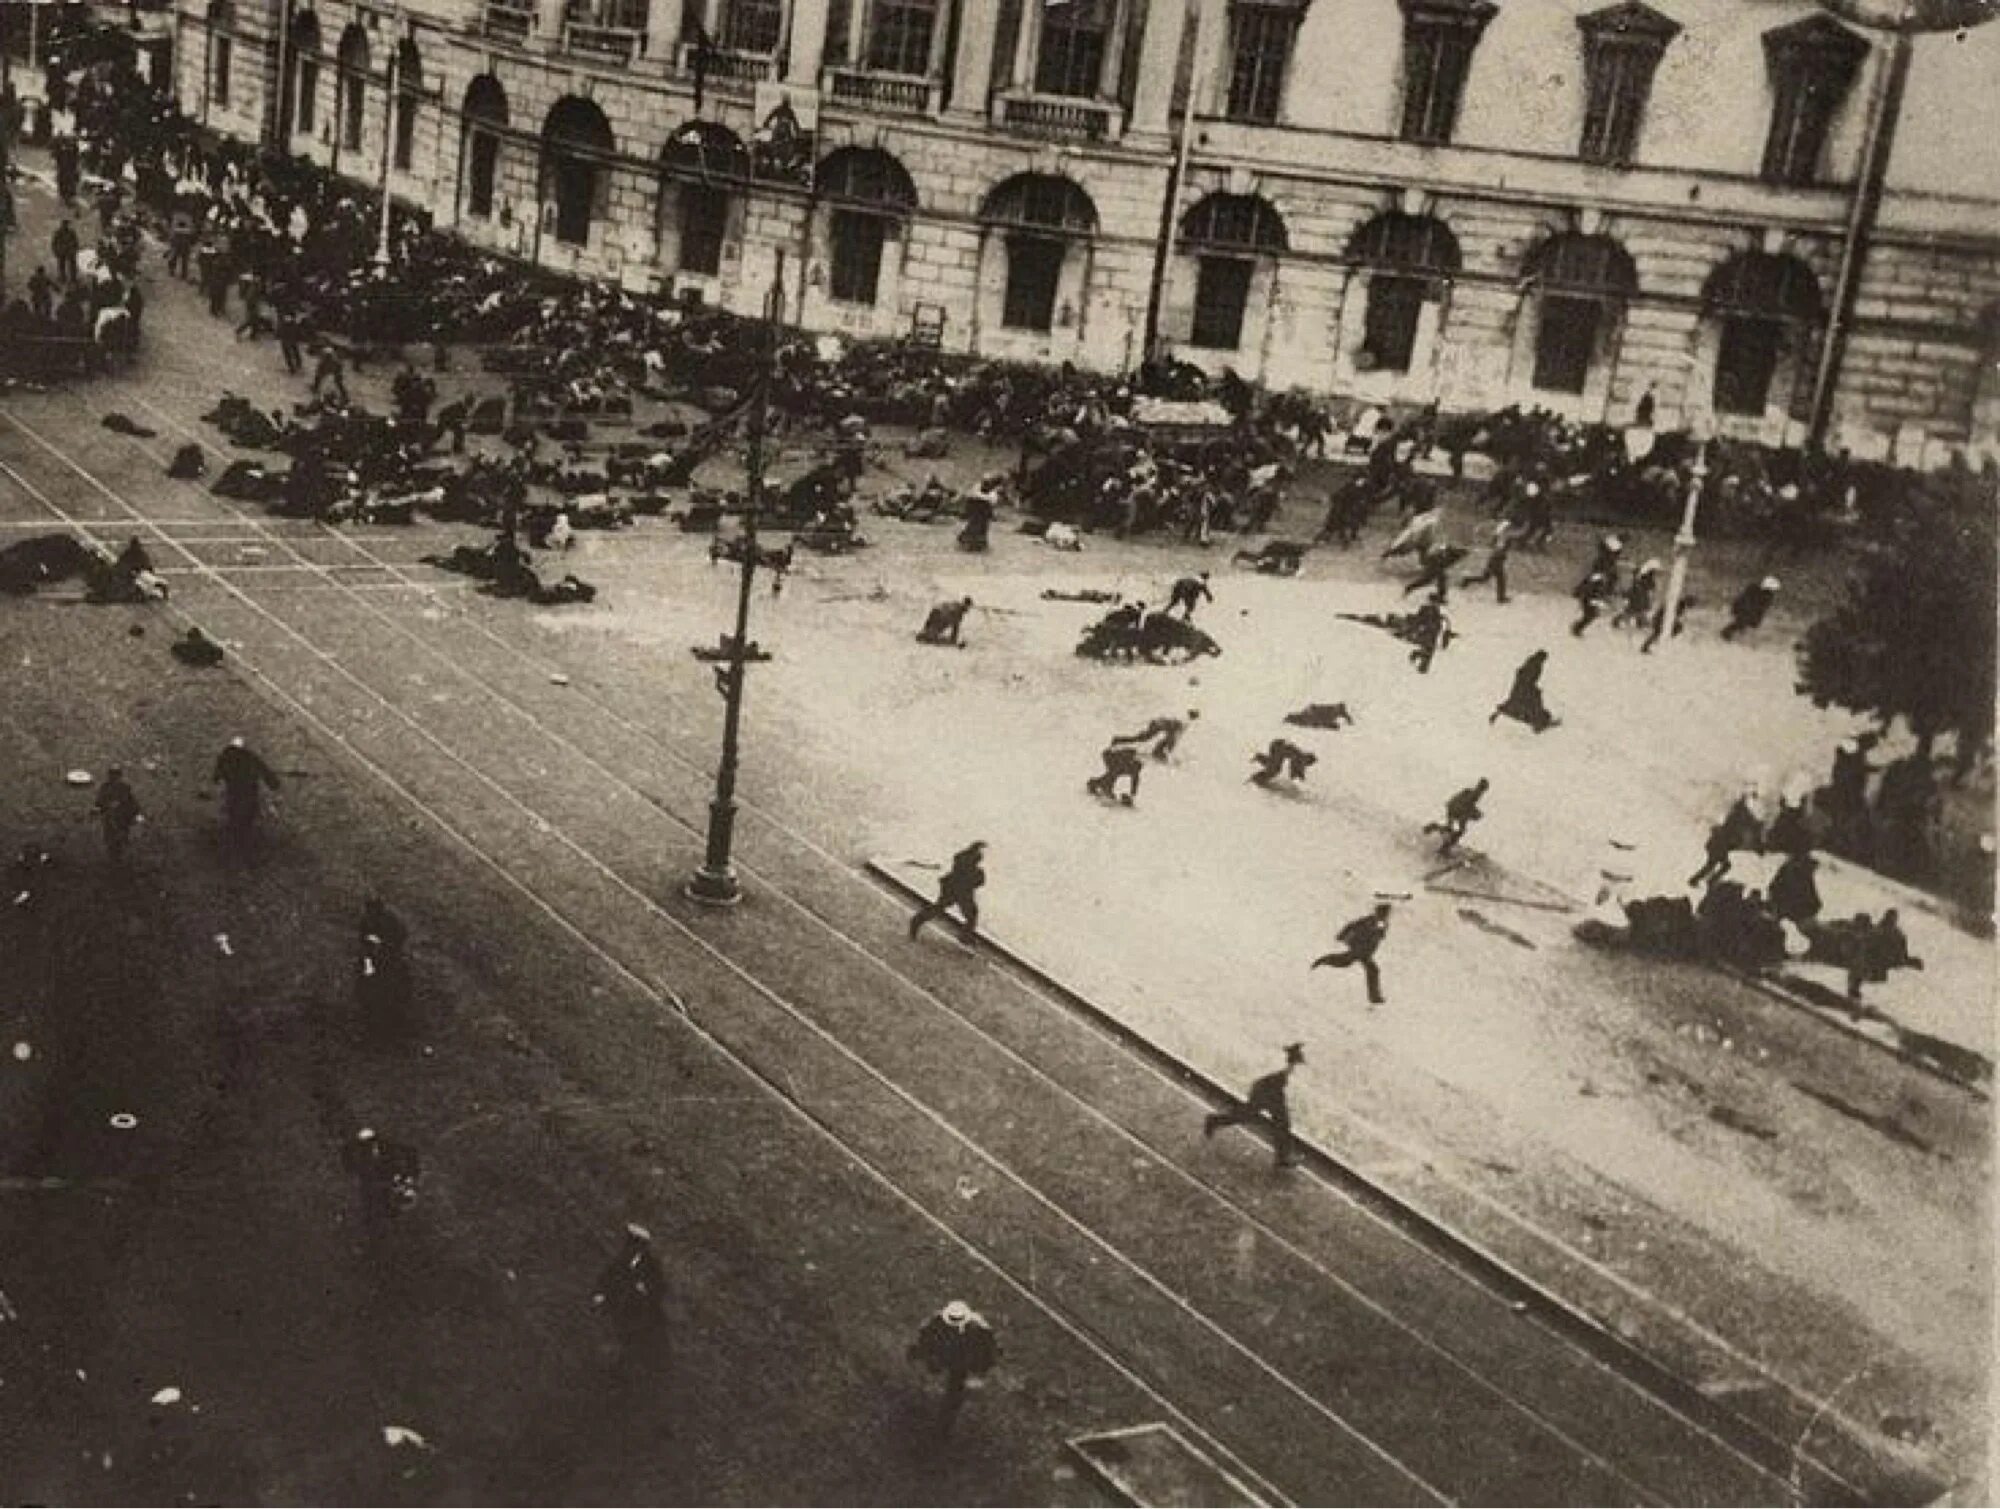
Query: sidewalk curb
1779	988
1947	912
1859	1465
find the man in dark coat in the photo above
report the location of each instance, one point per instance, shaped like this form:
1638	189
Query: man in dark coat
64	246
1794	892
1524	702
959	1344
1281	757
242	775
1460	813
1750	605
117	811
1189	593
1120	764
1739	829
1265	1103
1361	937
957	887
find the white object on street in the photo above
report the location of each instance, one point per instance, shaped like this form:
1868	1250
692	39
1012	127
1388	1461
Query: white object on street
167	1395
78	778
402	1435
124	1121
558	678
222	945
22	1052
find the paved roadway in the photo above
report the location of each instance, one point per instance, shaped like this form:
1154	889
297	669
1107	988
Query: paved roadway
1290	1325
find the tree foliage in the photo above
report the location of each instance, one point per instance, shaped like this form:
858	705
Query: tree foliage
1915	637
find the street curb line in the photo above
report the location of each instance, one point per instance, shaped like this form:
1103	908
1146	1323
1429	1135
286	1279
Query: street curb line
1526	1293
1778	989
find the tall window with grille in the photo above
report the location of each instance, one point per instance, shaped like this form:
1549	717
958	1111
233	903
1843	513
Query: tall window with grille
222	52
1622	47
1260	54
1034	269
305	80
484	151
1438	41
857	238
409	91
1812	64
900	34
1411	259
1229	233
357	111
1069	57
752	26
704	225
353	92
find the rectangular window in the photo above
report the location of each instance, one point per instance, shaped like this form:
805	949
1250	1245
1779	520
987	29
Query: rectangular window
857	255
1221	294
899	36
1618	79
753	26
1389	333
704	221
308	102
1034	269
1565	342
485	162
406	131
1746	364
1070	58
1800	120
1436	59
357	103
839	19
1260	51
225	49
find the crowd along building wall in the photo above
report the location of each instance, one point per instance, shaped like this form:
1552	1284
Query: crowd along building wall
1548	202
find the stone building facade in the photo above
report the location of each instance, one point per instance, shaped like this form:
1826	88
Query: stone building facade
1559	202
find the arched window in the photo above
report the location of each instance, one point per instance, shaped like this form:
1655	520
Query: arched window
1584	282
1410	258
1227	233
409	92
1040	215
305	73
221	51
353	65
1763	301
707	160
577	146
870	194
485	124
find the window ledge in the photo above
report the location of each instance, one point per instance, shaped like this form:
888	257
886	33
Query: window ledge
874	89
1058	116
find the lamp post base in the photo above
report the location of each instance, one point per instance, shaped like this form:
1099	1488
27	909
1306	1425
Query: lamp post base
715	883
713	887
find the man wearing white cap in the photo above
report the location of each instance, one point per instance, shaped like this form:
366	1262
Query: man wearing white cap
1751	604
959	1344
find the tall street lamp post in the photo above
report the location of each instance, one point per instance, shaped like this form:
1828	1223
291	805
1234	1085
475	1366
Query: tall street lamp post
1677	573
715	882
